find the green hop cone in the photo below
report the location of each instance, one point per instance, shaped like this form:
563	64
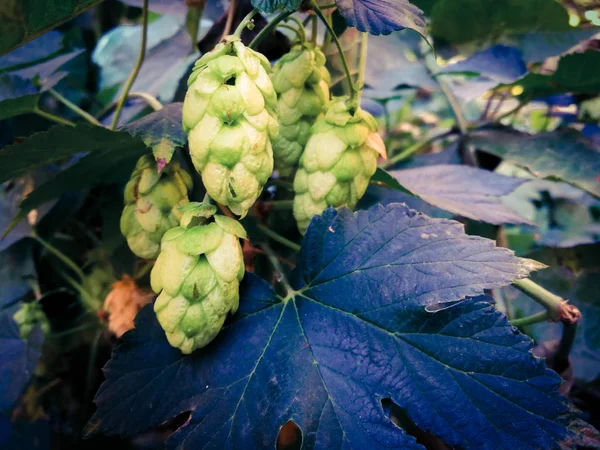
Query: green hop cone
29	316
302	85
152	200
229	115
338	162
197	275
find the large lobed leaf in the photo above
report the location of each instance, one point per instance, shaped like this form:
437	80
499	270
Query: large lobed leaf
269	6
21	21
566	155
18	359
382	16
354	333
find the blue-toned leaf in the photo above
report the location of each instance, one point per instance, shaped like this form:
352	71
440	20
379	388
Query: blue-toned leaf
18	359
269	6
538	46
465	191
162	131
382	16
20	89
39	48
17	271
328	355
565	155
212	10
500	63
10	198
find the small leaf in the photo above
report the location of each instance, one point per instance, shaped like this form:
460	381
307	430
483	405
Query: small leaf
382	16
60	142
270	6
465	191
21	22
565	155
353	333
161	131
18	360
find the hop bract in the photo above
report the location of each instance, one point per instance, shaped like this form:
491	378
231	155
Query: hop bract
152	200
302	85
197	275
229	115
338	161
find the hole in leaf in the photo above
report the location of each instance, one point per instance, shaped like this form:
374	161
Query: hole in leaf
230	81
400	418
290	437
176	423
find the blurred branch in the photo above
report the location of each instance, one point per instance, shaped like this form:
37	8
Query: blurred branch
229	23
278	238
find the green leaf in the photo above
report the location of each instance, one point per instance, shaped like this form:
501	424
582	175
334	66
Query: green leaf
162	131
22	21
60	142
577	73
560	155
464	21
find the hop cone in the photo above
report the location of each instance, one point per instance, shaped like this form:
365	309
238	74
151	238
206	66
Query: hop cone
198	274
152	200
229	115
338	161
302	85
28	316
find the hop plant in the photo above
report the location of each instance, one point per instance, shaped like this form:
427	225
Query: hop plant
338	161
152	200
302	85
197	275
229	114
28	316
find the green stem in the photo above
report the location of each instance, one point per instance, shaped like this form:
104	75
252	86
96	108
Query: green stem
530	320
244	23
277	269
73	107
269	28
192	23
300	27
415	148
552	302
278	238
60	255
353	91
136	68
53	118
150	99
299	33
314	26
364	44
